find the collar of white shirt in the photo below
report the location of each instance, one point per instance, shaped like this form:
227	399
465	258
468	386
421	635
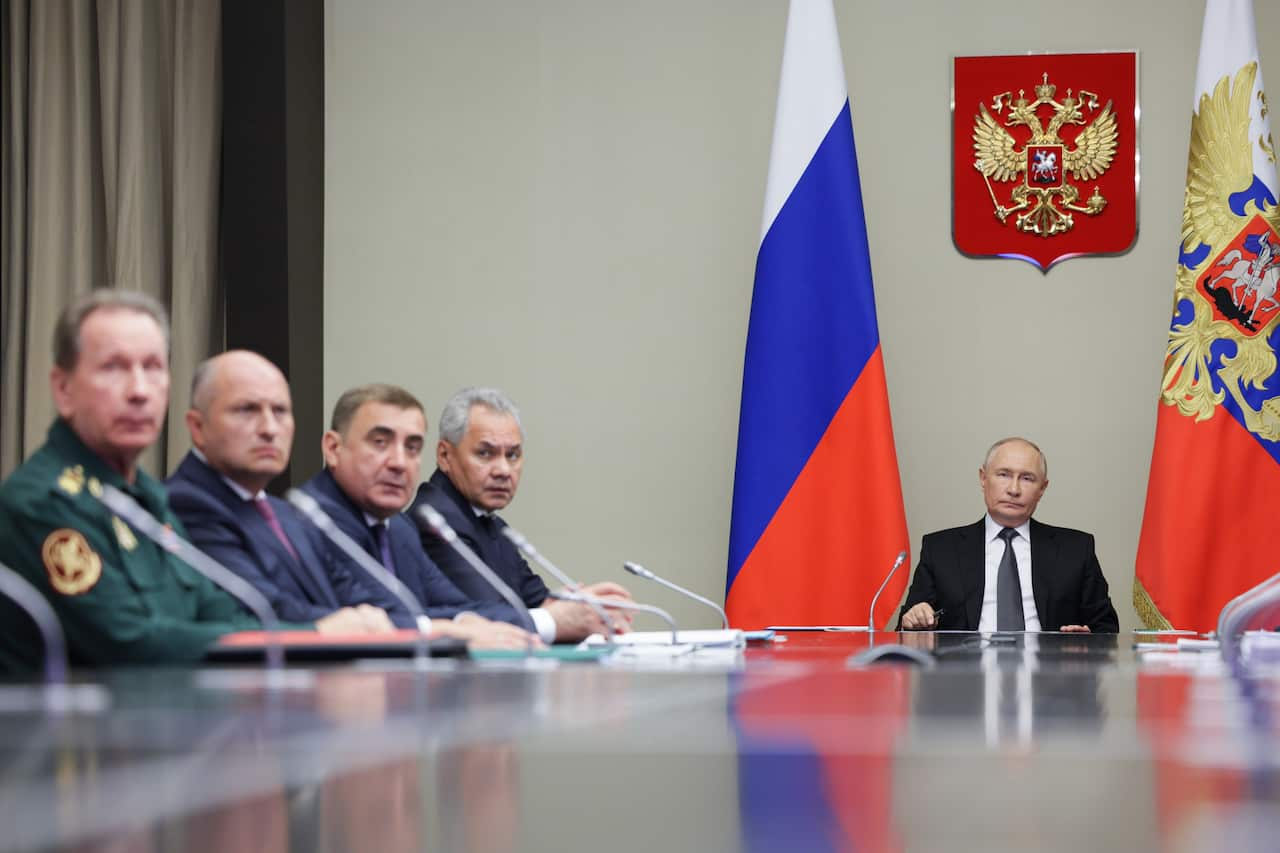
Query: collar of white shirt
994	528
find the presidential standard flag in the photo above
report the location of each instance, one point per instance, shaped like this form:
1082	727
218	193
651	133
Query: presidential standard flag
817	504
1213	498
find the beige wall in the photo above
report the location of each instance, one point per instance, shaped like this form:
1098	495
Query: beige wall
563	199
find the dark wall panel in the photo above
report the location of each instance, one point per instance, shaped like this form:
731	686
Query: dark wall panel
272	218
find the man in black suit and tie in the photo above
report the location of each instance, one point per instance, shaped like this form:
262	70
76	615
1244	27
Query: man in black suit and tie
241	423
1009	572
479	459
372	455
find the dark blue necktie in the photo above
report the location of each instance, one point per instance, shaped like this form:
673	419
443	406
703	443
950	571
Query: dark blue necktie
383	541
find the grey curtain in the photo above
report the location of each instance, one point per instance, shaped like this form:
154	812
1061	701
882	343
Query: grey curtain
110	179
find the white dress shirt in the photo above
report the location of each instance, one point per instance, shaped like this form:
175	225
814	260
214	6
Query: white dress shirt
1021	545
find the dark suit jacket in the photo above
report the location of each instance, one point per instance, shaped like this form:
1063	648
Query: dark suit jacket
439	597
494	548
1066	580
231	531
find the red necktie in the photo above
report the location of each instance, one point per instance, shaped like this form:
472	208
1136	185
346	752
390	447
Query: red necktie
263	506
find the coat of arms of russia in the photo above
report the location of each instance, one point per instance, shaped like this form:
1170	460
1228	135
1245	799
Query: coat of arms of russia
1045	155
1226	325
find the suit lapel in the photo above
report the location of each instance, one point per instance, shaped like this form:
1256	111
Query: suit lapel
309	569
402	547
1044	557
973	562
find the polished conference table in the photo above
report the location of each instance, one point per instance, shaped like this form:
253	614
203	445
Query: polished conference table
1018	742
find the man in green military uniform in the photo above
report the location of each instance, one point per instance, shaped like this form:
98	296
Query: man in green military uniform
120	598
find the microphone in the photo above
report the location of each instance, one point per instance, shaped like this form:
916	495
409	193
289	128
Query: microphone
584	598
310	508
217	574
29	599
890	651
871	620
523	544
1236	615
641	572
435	522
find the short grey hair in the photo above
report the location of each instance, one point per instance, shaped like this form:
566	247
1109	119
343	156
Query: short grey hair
66	332
1044	462
456	416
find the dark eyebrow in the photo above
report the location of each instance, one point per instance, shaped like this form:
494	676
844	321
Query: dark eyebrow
380	432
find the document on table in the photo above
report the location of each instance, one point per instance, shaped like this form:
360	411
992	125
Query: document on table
731	638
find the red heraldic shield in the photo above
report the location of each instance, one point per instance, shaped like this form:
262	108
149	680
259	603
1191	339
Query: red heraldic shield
1045	158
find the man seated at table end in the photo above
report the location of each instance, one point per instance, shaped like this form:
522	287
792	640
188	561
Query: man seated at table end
1007	571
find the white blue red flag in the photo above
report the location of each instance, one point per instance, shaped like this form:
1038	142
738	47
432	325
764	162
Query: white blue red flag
1209	530
817	502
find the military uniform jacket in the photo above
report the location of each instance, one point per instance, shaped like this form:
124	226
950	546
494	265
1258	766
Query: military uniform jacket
120	598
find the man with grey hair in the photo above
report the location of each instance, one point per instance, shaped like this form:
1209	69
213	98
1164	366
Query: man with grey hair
372	456
120	599
479	459
1009	572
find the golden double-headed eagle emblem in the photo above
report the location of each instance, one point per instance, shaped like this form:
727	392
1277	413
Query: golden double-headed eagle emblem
1044	199
1225	299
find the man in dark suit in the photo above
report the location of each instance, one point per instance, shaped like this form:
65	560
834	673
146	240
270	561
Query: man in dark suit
479	459
241	423
372	454
1009	572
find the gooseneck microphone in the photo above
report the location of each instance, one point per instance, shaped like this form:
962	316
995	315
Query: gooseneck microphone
641	572
27	597
435	522
217	574
310	508
871	620
1236	615
888	651
523	544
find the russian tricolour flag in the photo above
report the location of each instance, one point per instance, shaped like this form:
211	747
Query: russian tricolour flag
817	503
1209	530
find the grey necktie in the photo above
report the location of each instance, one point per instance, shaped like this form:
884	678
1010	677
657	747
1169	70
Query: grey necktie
1009	588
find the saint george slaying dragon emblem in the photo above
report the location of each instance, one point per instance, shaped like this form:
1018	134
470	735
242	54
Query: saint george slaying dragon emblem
1226	305
1044	200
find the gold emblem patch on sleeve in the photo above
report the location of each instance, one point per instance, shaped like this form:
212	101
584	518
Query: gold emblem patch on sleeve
73	566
